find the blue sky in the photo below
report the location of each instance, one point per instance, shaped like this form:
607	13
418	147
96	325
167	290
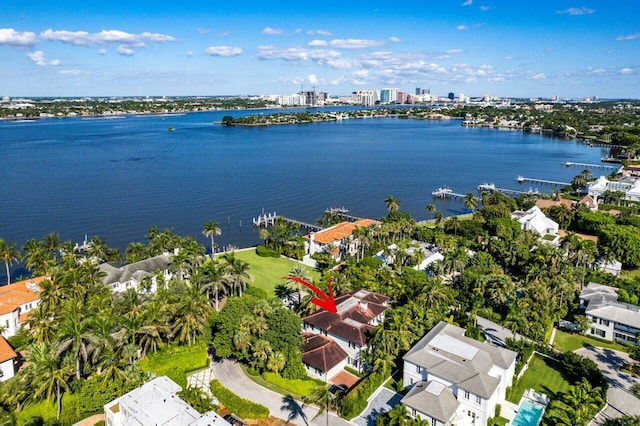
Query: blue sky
476	47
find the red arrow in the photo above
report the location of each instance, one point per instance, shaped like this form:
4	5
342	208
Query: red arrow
322	301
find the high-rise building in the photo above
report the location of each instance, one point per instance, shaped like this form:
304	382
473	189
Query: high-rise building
418	91
402	97
388	96
366	97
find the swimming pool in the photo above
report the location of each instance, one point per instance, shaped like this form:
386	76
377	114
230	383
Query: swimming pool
529	413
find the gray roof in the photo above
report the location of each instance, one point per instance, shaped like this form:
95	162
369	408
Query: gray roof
135	270
621	313
598	293
446	353
433	399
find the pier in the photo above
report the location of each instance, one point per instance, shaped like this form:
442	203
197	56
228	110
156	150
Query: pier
342	212
269	219
492	188
587	165
445	192
521	179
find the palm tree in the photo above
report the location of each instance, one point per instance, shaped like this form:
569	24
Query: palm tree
9	255
398	416
470	201
392	203
298	271
325	400
211	229
237	272
136	252
51	373
193	311
75	335
431	207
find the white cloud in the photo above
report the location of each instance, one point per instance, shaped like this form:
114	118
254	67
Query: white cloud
361	74
125	51
395	39
323	32
626	71
312	79
462	27
628	37
318	43
353	43
539	76
577	11
486	8
272	31
203	30
467	3
508	58
189	54
38	58
223	34
72	72
102	52
224	51
321	56
14	38
109	37
453	51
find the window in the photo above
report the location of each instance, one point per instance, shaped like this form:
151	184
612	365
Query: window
352	345
466	394
434	422
418	369
478	399
598	332
413	412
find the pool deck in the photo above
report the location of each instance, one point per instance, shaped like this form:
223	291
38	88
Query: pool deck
508	410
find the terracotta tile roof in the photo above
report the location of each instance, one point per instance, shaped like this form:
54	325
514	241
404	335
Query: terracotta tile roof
6	351
19	293
355	311
321	352
341	230
542	204
588	201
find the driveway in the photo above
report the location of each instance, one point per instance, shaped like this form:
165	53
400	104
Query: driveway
610	361
233	378
495	333
382	401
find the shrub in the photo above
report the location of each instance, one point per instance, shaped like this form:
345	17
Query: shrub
297	386
371	262
263	251
240	406
356	400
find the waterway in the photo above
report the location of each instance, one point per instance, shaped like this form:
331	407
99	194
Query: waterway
117	177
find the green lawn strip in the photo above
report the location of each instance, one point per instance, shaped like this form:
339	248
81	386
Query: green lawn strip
259	380
176	361
240	406
543	375
267	272
566	342
300	387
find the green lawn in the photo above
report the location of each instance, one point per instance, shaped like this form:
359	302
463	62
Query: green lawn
543	375
176	361
267	272
565	342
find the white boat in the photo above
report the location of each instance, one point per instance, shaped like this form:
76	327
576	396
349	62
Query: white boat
486	187
443	191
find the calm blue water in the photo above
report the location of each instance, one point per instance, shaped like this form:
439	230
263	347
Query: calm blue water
116	178
529	413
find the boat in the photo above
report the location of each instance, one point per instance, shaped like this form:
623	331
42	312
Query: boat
171	129
443	191
486	187
520	179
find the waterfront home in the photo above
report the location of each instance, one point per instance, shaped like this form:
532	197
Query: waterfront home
157	403
628	185
337	237
610	320
122	278
537	222
322	357
453	379
8	358
358	312
17	300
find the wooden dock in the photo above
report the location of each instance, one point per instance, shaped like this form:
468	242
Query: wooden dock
587	165
521	179
342	212
492	188
445	192
269	219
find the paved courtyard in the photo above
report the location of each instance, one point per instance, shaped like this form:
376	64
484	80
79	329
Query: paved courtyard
382	402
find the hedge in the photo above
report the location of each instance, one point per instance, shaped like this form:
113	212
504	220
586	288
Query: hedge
355	401
296	386
263	251
239	406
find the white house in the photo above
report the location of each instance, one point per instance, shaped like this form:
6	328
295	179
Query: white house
322	356
454	379
156	403
610	319
16	302
337	235
358	312
535	221
627	184
430	254
8	359
122	278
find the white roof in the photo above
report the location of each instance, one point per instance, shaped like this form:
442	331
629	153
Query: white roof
454	346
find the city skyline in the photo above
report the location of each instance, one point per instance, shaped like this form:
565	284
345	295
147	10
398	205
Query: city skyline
568	49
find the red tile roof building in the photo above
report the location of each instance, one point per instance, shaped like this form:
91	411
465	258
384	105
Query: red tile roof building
336	234
16	302
7	358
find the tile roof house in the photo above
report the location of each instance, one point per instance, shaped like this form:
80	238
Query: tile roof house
16	302
610	319
156	403
337	235
8	358
322	356
455	379
358	313
535	221
122	278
